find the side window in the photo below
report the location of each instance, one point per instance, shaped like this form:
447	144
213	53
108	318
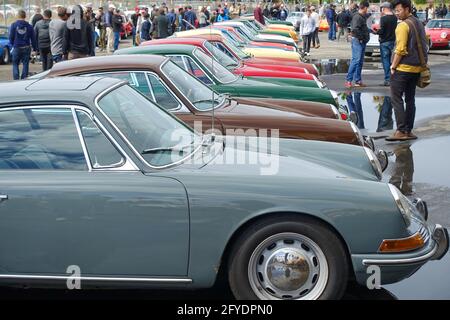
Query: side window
195	70
163	97
40	139
178	61
102	153
136	79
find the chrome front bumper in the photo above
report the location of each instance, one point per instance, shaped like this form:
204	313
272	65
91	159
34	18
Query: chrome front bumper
441	243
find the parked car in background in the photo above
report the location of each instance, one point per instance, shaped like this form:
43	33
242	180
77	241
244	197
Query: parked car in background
10	9
438	31
323	25
5	45
294	18
120	181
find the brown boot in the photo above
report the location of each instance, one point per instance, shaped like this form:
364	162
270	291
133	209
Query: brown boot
398	136
411	136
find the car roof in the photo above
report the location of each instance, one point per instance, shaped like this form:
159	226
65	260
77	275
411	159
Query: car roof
107	63
54	90
190	39
160	49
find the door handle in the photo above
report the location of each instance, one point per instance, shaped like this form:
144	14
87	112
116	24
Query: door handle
3	197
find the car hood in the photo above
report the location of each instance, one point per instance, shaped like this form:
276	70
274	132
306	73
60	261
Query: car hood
251	88
291	123
282	158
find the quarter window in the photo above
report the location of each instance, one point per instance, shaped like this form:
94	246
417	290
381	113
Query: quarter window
102	153
163	97
40	139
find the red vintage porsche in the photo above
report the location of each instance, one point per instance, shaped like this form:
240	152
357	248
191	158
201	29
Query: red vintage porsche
237	67
438	32
264	63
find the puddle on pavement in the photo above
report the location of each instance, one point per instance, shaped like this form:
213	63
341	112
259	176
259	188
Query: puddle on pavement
333	66
419	168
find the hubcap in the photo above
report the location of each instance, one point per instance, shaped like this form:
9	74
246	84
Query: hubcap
288	266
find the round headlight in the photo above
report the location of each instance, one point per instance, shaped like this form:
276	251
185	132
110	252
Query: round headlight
376	166
357	133
444	35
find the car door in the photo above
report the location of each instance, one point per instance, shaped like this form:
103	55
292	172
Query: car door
70	195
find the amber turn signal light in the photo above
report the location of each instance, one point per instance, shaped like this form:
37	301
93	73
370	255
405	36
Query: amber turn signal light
414	242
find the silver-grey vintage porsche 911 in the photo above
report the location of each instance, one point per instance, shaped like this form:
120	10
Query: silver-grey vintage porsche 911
90	177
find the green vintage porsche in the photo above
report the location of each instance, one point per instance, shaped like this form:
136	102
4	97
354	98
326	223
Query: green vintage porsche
212	73
97	180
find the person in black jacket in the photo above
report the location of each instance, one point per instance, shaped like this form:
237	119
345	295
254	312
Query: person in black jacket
343	20
117	25
77	36
360	37
42	33
386	33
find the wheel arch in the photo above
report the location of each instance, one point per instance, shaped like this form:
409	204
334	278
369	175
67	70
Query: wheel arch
222	274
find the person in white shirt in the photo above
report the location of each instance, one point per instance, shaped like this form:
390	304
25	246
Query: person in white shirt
307	28
315	37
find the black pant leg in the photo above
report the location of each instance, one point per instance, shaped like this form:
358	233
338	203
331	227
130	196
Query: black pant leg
398	85
410	100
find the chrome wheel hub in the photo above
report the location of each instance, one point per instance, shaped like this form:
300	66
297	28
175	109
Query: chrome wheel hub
288	266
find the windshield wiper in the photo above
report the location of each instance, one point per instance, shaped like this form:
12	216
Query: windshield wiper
174	148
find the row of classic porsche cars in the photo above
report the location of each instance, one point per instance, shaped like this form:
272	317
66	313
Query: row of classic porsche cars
102	166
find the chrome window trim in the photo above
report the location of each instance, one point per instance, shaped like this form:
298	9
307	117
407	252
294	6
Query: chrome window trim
128	164
181	107
119	166
59	106
183	56
80	136
95	278
193	106
130	145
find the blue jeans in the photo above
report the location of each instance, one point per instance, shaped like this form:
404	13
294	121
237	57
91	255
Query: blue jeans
354	71
133	34
94	43
332	30
21	55
386	49
116	40
356	106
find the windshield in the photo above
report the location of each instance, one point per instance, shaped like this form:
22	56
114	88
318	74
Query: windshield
234	38
220	72
244	34
241	54
220	56
148	127
438	24
193	89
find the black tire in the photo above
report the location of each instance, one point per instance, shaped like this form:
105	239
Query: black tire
327	240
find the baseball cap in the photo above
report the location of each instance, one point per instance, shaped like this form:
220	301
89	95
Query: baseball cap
386	5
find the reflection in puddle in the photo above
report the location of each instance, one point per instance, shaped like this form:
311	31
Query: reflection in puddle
333	66
403	169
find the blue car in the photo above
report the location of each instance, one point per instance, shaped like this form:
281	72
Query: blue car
5	46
